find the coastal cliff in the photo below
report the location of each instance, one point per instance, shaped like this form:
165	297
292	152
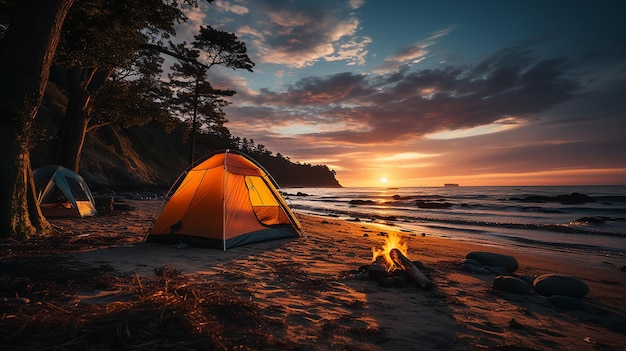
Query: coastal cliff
147	157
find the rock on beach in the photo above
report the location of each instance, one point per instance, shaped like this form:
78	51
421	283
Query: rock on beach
554	284
473	266
511	284
509	263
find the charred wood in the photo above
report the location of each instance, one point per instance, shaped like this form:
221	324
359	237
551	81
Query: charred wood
411	269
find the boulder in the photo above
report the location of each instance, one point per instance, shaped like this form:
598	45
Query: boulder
527	279
509	263
473	266
554	284
497	270
510	284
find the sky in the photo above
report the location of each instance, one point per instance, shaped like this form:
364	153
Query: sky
422	93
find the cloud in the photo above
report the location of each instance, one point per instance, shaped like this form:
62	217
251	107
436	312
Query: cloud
229	7
402	156
353	51
468	117
355	4
196	18
301	39
376	109
296	34
412	54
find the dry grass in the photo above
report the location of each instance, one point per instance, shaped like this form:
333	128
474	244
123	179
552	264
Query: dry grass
164	311
48	302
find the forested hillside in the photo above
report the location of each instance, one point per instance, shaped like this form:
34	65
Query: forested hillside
120	114
153	156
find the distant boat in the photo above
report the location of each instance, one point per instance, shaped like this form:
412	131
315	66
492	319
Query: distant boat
450	185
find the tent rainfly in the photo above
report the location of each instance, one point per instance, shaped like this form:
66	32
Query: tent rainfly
223	201
61	192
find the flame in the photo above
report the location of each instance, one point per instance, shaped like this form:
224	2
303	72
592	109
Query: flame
392	241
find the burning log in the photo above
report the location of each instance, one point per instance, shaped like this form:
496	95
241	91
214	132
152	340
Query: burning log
410	268
377	269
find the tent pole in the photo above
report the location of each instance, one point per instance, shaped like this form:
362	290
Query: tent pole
224	201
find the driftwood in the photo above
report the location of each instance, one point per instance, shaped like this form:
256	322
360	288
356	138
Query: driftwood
403	262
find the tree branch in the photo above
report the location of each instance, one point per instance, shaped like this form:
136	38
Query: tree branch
96	126
171	53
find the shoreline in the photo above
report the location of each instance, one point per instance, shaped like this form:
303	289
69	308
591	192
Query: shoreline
310	292
550	248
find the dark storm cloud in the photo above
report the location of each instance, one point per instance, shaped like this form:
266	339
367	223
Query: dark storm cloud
414	103
342	87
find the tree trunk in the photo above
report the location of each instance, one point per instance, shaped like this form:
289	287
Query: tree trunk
27	49
194	124
70	140
71	132
84	84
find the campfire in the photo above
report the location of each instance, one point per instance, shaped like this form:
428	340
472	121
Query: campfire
391	265
392	241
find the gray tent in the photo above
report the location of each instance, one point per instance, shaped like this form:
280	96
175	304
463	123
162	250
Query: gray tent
63	193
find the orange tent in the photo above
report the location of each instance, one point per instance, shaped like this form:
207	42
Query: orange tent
224	201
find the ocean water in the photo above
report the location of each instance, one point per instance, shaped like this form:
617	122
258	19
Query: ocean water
486	215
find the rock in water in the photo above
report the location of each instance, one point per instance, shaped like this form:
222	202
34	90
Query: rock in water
554	284
509	263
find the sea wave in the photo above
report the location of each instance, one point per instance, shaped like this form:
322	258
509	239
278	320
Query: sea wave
367	215
493	213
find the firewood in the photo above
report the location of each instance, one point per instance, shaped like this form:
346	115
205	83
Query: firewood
403	262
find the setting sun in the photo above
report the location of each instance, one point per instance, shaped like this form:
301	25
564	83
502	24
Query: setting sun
383	180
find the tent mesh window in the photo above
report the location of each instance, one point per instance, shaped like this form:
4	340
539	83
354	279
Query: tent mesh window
264	204
77	189
55	196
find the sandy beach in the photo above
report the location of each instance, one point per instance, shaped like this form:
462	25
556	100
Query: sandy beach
300	294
